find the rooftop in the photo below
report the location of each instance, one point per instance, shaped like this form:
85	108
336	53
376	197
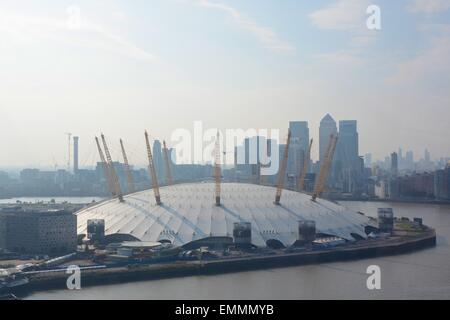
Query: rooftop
188	213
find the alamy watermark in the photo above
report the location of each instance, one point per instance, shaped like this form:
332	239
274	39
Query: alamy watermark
74	280
73	21
237	146
373	21
374	280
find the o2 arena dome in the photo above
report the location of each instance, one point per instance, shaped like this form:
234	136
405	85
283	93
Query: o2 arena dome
188	216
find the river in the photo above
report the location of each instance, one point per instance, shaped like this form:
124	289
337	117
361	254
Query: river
73	200
423	274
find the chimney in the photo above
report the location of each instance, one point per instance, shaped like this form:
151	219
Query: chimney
75	154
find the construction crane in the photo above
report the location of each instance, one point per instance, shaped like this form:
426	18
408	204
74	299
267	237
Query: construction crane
217	171
128	172
282	171
112	170
325	167
105	168
167	161
301	181
152	172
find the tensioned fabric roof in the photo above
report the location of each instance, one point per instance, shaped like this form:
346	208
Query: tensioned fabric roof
188	213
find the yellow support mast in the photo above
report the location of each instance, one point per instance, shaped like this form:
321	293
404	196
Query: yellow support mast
217	170
113	174
325	167
152	172
130	179
282	171
105	168
301	181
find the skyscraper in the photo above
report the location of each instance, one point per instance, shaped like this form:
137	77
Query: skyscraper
427	156
300	133
347	157
158	159
368	160
400	158
251	156
394	164
297	150
409	160
326	129
348	143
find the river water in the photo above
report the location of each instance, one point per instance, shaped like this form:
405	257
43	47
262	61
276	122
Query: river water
423	274
74	200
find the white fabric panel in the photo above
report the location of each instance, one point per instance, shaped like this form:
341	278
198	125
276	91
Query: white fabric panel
188	213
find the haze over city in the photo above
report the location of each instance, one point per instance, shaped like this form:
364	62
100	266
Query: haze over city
160	65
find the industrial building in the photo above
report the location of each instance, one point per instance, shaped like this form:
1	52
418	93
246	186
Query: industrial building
188	216
38	232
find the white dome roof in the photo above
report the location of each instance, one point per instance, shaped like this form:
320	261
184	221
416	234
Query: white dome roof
188	213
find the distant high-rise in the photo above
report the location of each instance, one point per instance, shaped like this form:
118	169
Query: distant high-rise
387	163
298	146
427	156
326	129
158	159
400	157
348	142
252	157
254	153
348	168
394	164
409	160
75	154
368	160
300	133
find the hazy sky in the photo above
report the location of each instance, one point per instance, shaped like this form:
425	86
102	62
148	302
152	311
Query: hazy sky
160	65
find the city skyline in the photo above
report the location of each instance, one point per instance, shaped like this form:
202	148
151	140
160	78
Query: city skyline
348	133
90	158
125	69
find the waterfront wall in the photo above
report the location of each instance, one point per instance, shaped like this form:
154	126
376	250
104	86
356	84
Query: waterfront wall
211	267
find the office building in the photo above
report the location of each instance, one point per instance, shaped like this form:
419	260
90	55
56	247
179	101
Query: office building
158	160
38	232
394	164
326	129
299	133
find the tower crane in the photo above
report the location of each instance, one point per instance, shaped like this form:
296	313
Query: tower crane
105	169
113	174
166	159
282	171
128	172
325	167
152	172
217	170
301	181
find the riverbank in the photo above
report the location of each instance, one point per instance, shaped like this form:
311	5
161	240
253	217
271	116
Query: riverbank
361	250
